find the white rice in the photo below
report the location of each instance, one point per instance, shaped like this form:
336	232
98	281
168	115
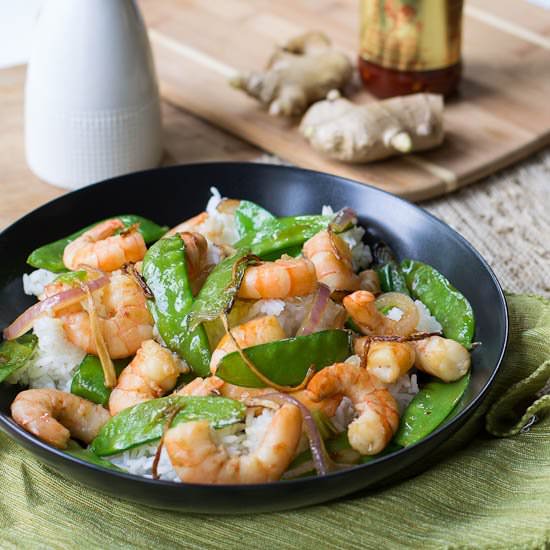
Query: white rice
344	415
427	322
214	254
139	461
237	439
394	314
360	252
54	361
218	227
404	390
34	283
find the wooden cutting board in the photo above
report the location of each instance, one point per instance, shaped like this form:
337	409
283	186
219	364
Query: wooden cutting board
500	115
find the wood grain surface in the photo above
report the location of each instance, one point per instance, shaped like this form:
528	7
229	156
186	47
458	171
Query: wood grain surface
499	116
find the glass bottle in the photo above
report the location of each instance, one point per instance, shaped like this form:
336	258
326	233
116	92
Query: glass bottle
410	46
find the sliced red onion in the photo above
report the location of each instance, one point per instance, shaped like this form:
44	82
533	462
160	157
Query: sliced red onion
26	320
299	470
316	445
343	219
100	344
316	311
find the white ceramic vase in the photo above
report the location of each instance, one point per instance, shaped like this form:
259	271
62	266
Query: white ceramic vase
92	108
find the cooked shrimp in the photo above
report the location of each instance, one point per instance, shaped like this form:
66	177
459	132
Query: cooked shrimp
99	247
54	416
362	307
442	357
378	417
387	361
198	459
257	331
369	280
152	373
282	278
202	387
192	224
123	317
332	259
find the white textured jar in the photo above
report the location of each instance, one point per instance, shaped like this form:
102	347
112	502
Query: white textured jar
92	108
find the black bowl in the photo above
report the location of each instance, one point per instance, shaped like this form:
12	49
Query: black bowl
170	195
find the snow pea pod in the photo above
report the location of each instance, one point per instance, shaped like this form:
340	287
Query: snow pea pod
74	449
445	302
165	271
286	362
89	379
250	216
282	233
14	354
428	409
144	423
50	256
392	278
220	289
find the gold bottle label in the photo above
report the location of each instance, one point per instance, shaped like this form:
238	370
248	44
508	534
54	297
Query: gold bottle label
411	35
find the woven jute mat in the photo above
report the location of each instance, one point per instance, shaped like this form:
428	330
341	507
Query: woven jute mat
506	217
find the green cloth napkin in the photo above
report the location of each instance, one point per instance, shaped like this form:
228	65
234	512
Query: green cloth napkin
491	493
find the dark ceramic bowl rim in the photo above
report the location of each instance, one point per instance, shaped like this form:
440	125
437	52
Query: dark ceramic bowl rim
19	433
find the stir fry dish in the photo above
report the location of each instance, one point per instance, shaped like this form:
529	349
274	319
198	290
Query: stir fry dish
237	347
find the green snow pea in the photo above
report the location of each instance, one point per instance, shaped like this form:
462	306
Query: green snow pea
220	289
428	409
445	302
392	278
145	422
74	449
280	234
50	256
286	362
89	379
165	271
250	216
15	354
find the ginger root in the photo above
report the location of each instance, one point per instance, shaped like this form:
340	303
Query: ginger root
298	74
363	133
